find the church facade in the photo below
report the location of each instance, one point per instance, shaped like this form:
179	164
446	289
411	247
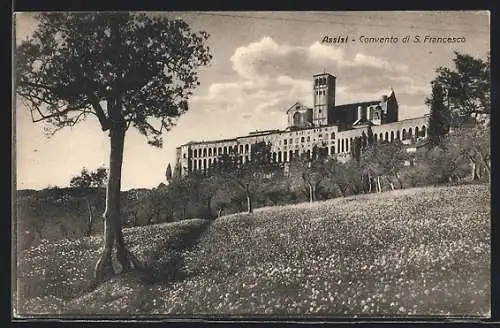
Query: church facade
325	125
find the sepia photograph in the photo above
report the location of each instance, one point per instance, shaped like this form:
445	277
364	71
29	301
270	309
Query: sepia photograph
288	165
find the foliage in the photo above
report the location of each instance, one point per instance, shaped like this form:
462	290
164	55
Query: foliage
468	87
439	117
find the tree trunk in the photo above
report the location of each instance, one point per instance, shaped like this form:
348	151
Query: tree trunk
391	184
91	219
112	220
249	200
370	182
219	213
379	187
473	169
396	175
184	208
310	193
209	207
342	192
314	192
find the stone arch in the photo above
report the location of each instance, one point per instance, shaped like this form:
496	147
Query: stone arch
342	145
423	131
416	132
398	135
274	156
290	156
392	135
204	152
195	153
386	136
220	151
375	137
404	134
209	151
381	137
205	164
410	133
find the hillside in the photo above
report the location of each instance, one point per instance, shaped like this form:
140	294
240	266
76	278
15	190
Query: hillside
419	251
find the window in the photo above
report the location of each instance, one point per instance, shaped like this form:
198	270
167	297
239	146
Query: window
397	134
332	150
320	136
291	141
225	150
204	152
246	148
284	142
423	131
333	135
392	135
184	155
296	140
416	132
302	139
195	153
209	151
308	138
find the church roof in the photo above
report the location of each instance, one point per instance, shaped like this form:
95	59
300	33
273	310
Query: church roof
295	105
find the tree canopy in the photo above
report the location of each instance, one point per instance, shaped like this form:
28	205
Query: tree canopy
467	87
78	64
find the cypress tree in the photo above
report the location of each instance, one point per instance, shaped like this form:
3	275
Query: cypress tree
439	118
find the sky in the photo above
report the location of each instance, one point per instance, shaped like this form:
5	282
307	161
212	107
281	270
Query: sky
263	62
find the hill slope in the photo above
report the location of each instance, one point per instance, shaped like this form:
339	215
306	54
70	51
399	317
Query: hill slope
417	251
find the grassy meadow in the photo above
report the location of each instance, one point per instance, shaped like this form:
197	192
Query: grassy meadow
410	252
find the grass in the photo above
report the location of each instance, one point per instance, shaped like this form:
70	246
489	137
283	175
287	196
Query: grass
413	252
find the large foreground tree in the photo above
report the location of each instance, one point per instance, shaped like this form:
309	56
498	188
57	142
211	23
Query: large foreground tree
124	69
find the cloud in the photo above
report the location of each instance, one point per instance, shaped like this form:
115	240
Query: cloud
270	77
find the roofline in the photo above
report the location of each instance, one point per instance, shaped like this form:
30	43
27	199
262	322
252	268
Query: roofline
318	74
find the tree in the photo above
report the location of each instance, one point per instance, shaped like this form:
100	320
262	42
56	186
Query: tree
85	181
252	175
383	161
439	118
124	69
168	173
467	87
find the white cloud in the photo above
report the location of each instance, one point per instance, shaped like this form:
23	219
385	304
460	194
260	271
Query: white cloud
272	76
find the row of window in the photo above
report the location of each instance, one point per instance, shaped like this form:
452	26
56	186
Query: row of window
342	146
220	150
406	134
303	139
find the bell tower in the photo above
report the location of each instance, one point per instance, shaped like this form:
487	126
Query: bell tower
324	97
